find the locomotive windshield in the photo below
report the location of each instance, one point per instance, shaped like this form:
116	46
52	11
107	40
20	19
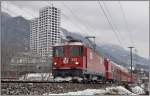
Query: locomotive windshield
75	50
58	51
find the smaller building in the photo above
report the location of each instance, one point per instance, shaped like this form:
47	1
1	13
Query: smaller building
27	62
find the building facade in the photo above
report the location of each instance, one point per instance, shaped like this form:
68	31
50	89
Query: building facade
28	62
45	31
34	35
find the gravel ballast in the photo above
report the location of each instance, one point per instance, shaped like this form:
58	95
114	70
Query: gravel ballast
42	88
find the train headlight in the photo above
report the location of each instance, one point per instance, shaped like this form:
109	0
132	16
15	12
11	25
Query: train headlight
55	63
76	63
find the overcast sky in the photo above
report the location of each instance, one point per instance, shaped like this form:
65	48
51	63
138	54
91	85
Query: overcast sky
130	19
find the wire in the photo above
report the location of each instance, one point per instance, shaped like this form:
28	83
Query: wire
117	37
130	36
87	26
78	19
77	25
18	14
126	24
107	10
72	22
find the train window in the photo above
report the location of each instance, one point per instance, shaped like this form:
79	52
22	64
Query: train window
58	51
75	50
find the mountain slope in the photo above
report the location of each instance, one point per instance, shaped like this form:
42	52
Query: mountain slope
15	36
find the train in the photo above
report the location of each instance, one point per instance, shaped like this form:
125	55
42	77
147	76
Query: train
85	64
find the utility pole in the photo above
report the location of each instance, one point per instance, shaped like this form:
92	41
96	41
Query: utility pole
131	60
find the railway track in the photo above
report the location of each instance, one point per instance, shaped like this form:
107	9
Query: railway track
20	81
17	87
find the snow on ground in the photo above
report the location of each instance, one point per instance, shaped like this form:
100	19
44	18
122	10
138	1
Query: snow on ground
118	90
37	76
59	79
138	90
44	76
84	92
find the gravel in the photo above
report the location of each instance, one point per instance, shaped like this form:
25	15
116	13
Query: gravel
43	88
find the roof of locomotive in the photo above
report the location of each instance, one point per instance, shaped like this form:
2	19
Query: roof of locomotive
73	43
78	43
119	66
70	43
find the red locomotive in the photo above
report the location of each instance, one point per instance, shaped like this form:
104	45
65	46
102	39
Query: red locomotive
75	60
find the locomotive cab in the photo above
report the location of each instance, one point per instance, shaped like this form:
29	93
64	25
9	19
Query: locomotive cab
68	59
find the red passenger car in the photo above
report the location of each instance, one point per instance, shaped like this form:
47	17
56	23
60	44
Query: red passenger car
115	72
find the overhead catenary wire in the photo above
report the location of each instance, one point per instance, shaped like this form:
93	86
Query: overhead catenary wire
126	24
73	14
128	30
76	17
86	25
73	23
28	12
115	28
77	26
17	13
110	24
